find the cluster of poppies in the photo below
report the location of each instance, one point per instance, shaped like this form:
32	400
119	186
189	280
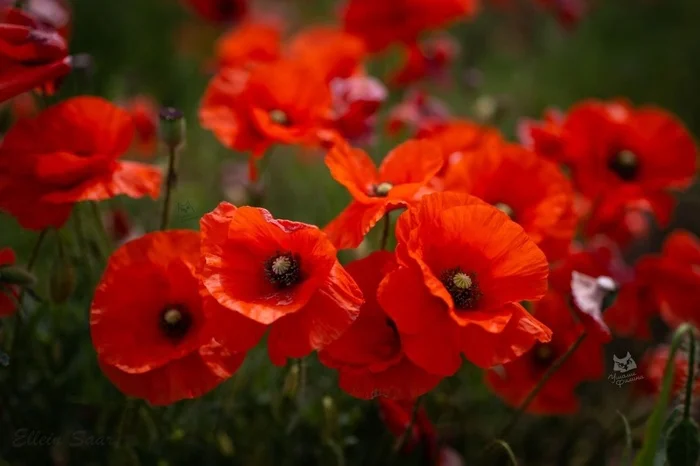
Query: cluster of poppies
492	236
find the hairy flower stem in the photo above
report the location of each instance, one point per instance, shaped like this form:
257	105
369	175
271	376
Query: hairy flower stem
401	442
542	382
654	426
104	243
691	376
170	182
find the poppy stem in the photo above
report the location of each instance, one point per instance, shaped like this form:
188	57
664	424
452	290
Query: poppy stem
385	231
123	420
104	243
690	381
401	442
169	187
540	384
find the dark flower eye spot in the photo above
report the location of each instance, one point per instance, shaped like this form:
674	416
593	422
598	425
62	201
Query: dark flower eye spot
463	287
175	322
625	164
283	270
543	354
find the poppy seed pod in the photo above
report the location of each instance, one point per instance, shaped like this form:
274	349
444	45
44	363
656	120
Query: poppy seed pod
683	444
172	128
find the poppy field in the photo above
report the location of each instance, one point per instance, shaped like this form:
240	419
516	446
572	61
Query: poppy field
349	232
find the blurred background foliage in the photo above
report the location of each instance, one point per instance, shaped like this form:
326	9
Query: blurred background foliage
644	50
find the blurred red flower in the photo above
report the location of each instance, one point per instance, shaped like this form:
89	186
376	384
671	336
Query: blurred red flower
147	323
144	113
654	364
249	43
337	54
368	356
279	102
54	13
621	158
67	154
416	112
532	191
8	293
431	58
31	54
457	293
219	11
399	181
457	139
515	380
356	101
380	24
280	274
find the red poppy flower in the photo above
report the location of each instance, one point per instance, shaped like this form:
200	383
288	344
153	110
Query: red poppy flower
431	58
68	154
530	190
355	103
147	322
368	356
31	54
621	156
416	112
337	54
457	139
383	23
675	278
459	294
144	114
280	274
219	11
654	364
8	294
397	183
397	416
248	43
280	102
515	380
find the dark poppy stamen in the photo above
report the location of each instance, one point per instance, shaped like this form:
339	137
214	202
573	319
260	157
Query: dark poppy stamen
381	189
625	164
392	326
175	322
543	354
283	270
463	287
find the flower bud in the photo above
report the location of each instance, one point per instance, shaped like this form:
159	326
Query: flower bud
172	128
683	444
61	281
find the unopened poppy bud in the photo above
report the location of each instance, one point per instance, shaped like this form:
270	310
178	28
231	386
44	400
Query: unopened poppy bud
16	276
62	281
683	444
172	127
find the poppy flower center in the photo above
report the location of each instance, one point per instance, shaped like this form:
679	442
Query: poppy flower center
543	354
279	117
625	164
282	270
463	288
381	189
392	326
505	208
175	322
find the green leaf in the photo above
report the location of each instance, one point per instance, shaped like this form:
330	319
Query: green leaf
683	444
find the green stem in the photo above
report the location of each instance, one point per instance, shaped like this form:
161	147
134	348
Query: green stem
540	384
409	428
105	244
170	181
82	239
385	231
652	434
123	420
690	382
